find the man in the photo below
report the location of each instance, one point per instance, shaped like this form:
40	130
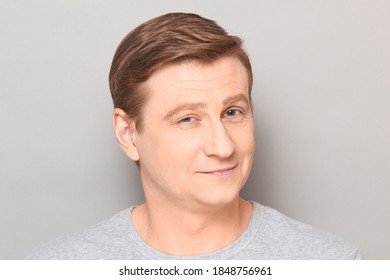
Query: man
181	88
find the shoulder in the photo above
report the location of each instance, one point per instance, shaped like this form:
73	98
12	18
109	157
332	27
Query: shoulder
285	238
103	240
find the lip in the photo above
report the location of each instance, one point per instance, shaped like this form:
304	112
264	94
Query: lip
221	172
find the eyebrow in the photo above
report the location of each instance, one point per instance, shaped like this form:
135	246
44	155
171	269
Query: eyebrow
184	106
236	98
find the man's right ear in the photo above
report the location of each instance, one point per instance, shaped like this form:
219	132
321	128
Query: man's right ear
125	132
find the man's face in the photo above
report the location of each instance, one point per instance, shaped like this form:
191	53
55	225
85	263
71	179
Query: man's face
197	142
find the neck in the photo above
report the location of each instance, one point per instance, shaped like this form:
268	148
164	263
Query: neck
186	232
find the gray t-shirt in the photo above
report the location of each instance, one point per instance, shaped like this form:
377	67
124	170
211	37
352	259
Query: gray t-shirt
270	235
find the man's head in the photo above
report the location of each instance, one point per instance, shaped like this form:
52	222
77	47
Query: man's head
168	39
181	88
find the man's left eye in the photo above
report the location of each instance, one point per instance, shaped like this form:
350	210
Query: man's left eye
232	112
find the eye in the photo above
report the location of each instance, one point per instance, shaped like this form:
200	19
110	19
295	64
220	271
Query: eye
187	120
232	112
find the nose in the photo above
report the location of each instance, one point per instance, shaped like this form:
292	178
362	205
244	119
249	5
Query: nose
218	142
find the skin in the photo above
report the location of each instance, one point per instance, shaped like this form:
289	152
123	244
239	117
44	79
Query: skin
196	151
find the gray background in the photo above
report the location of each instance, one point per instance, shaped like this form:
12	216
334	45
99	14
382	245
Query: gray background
321	99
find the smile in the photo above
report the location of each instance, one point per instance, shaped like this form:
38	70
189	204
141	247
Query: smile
222	172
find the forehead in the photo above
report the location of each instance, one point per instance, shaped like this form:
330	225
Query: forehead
194	79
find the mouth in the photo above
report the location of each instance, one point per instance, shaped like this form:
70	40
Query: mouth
221	172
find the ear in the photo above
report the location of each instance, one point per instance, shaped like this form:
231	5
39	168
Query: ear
125	132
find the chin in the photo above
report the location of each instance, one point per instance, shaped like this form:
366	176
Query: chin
220	197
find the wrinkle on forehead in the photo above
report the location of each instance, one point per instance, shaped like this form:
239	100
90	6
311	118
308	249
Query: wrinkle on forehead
195	75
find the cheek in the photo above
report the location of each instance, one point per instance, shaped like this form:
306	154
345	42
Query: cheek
168	150
247	151
182	152
243	137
